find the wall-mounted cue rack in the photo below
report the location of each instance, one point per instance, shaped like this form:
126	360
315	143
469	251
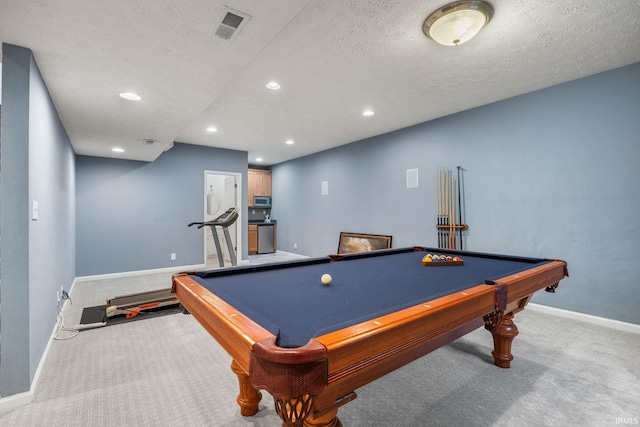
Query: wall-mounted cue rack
451	218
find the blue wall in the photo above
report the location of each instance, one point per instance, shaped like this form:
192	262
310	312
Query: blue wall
38	256
133	215
552	173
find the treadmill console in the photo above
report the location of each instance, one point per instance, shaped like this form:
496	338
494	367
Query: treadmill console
225	221
227	218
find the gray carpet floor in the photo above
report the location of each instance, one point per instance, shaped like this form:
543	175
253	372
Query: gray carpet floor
167	371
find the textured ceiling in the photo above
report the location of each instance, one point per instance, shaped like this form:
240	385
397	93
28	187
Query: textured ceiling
333	59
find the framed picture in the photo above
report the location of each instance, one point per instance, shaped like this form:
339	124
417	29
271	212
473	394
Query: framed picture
356	242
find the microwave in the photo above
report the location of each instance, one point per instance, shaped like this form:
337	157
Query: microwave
261	202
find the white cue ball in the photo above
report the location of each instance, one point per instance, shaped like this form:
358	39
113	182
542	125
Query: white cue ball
325	279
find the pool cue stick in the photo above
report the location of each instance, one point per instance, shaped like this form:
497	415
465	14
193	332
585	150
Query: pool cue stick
442	207
459	206
454	230
438	204
463	206
452	233
448	232
446	210
449	217
455	210
440	201
445	218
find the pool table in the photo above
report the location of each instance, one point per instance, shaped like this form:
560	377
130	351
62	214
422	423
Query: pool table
312	345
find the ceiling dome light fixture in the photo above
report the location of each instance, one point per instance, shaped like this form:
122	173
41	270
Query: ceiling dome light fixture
457	22
290	142
130	96
212	129
273	85
368	113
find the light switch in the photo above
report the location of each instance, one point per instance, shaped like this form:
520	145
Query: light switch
325	188
34	210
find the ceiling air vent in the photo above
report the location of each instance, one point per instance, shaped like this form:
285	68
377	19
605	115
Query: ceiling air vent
229	23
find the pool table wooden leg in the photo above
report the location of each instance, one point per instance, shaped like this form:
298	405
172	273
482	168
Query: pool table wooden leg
249	397
503	331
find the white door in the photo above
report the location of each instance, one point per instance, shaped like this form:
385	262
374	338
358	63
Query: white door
221	194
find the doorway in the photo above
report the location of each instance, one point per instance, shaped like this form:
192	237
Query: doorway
220	194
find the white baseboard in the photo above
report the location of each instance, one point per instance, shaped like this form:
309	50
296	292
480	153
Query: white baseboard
291	253
139	272
8	404
15	401
588	318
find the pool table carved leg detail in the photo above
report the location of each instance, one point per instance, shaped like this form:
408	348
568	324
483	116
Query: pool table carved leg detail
299	413
503	331
249	397
294	411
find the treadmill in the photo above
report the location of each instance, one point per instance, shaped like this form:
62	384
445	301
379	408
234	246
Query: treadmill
224	221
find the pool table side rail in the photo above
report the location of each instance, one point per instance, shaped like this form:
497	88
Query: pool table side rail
440	251
462	254
362	353
235	332
243	269
353	344
371	254
521	286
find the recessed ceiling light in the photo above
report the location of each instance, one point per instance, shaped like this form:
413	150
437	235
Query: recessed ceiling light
368	113
212	129
273	85
130	96
258	159
117	150
290	142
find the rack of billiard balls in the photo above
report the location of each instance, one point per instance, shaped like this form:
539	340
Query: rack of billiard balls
435	260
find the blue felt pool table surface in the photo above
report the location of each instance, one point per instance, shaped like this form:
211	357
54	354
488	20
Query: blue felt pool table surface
289	300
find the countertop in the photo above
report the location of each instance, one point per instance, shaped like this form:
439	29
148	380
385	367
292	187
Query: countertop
262	222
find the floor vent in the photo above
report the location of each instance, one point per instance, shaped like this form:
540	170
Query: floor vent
229	23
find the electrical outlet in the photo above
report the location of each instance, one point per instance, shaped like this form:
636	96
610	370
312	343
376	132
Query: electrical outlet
173	256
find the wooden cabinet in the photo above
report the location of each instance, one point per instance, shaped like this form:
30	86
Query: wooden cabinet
253	239
259	184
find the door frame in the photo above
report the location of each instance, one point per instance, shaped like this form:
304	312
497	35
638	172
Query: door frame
240	238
